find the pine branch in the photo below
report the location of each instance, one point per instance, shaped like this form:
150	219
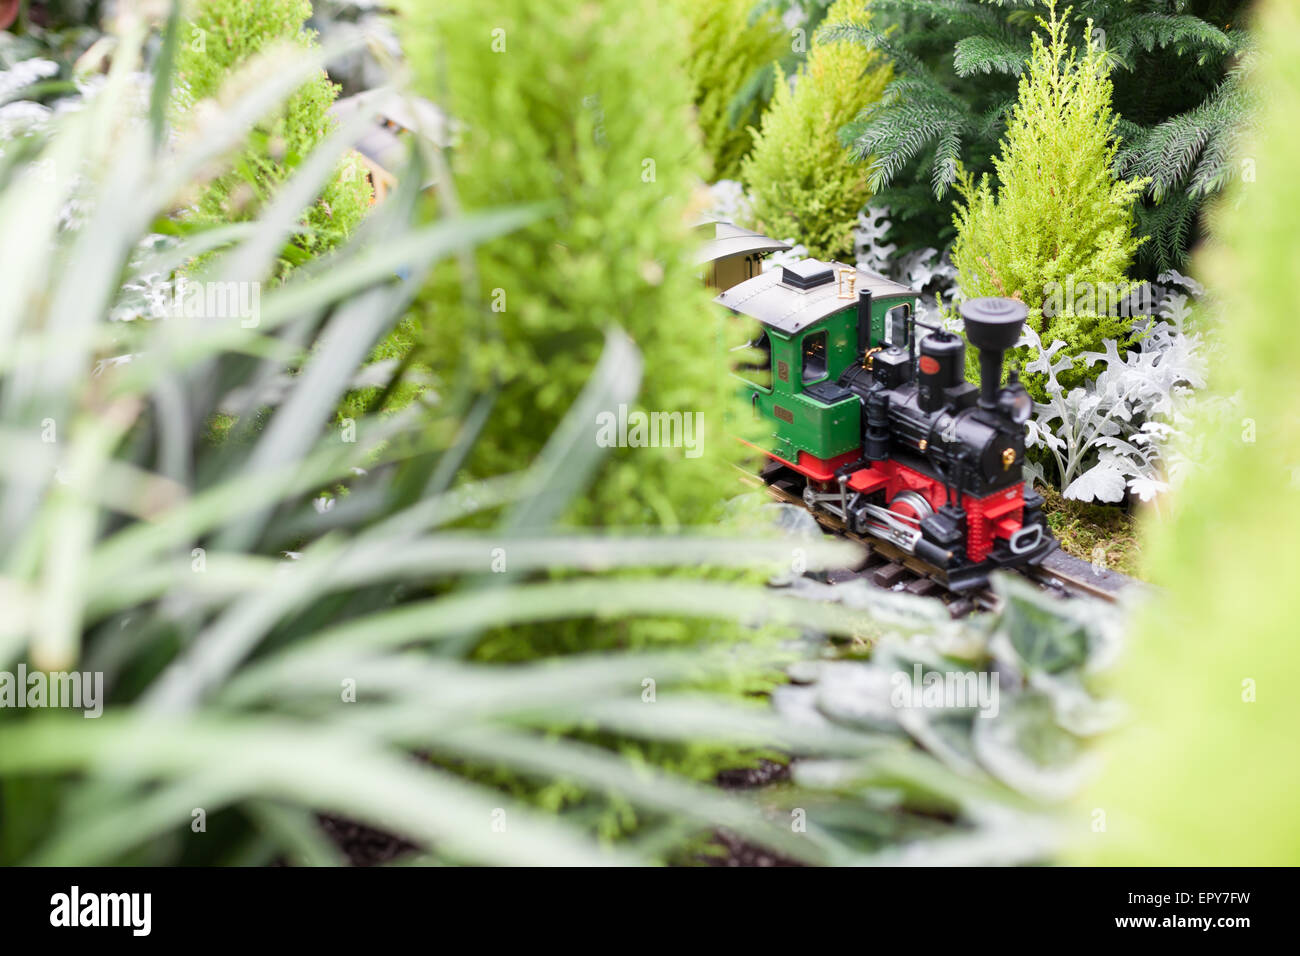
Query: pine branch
1183	32
757	88
873	39
922	89
896	134
943	167
1129	132
980	54
1169	226
1186	147
988	125
967	16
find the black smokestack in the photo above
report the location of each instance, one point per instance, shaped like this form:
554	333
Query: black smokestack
864	323
992	326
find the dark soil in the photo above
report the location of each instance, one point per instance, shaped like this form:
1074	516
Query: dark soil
745	778
736	852
363	845
366	846
740	853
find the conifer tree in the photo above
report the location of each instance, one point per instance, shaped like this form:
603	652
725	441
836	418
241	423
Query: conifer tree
559	103
1058	232
728	52
557	106
1176	66
221	36
805	185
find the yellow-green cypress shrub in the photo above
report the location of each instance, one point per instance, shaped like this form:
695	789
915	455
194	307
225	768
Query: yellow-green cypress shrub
804	182
557	105
1060	222
727	52
566	103
1206	774
222	35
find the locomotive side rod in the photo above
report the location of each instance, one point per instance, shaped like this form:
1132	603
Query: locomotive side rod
958	604
1060	573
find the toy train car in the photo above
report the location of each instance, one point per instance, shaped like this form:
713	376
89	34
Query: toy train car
731	254
881	429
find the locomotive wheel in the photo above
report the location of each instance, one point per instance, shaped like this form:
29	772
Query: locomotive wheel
911	505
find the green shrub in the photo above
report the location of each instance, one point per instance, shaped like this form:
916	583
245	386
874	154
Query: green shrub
1058	234
558	108
804	183
1206	775
224	34
728	52
1177	89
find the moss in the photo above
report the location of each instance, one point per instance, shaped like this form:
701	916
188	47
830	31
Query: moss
1082	528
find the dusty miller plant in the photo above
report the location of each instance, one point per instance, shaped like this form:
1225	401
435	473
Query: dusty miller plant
1112	435
927	270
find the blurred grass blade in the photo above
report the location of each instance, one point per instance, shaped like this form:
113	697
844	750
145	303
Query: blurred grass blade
450	554
164	64
252	260
442	618
329	770
570	457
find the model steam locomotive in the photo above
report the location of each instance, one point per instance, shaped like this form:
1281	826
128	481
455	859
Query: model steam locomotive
879	426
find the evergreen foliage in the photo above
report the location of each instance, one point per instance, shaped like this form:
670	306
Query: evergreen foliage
610	147
728	53
1204	775
1177	91
802	17
1060	224
559	108
224	34
804	183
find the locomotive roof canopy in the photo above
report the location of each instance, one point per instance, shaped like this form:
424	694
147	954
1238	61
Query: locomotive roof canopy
725	239
791	298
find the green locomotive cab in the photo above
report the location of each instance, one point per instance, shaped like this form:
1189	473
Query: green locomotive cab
792	332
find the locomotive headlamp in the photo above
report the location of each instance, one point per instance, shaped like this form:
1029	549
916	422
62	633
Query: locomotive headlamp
1015	403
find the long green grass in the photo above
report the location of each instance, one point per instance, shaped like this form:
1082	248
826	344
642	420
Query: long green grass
281	615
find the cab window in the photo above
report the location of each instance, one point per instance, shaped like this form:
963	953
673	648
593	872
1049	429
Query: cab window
896	324
814	357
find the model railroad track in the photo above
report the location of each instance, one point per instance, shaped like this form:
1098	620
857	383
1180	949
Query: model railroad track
890	567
